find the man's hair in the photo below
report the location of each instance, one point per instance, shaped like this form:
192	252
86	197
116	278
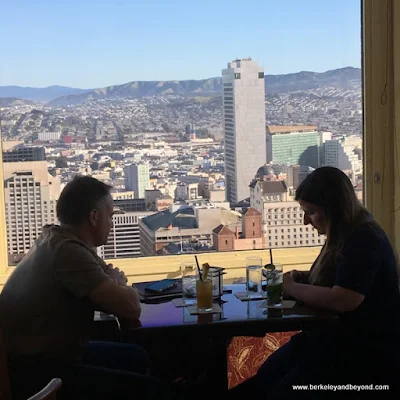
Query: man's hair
79	198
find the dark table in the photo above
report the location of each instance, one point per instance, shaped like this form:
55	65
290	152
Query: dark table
208	336
238	318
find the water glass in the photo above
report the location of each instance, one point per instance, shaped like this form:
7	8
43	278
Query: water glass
274	282
254	276
254	310
188	272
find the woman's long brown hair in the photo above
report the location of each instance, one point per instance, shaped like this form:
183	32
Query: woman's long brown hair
331	189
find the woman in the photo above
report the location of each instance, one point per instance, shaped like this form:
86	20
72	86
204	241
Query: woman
356	276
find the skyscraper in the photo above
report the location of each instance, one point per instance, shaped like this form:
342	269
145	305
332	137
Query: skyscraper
24	153
341	155
244	125
137	178
31	194
124	238
295	145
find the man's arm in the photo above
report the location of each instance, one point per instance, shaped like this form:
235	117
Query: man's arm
121	300
79	270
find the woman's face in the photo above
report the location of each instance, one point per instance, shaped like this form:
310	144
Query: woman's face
315	216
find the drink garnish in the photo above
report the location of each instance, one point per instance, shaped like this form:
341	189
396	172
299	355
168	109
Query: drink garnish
206	267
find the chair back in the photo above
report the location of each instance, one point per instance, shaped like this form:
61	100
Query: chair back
49	392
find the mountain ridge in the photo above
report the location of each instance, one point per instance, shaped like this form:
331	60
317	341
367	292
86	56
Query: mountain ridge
348	77
44	94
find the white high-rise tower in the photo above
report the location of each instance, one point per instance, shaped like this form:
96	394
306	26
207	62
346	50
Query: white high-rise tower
31	195
244	126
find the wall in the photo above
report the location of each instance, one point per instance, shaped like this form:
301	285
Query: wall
138	269
217	195
224	242
251	244
249	230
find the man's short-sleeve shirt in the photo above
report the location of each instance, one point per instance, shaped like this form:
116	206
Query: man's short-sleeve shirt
45	305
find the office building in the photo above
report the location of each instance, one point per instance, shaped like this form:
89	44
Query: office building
125	195
187	191
130	205
296	174
295	145
23	153
282	218
31	194
340	154
183	224
137	178
244	125
49	136
124	238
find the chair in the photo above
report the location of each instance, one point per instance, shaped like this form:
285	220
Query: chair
49	392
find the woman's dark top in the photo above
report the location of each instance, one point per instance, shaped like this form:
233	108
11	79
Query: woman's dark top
367	264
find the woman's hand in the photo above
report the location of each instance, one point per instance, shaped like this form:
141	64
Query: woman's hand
300	276
296	275
288	283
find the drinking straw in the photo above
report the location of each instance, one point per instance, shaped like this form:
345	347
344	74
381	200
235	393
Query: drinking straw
270	256
198	268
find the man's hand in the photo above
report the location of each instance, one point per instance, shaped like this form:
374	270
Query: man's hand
115	273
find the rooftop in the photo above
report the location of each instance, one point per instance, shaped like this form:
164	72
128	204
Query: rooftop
184	218
270	187
275	129
222	230
251	212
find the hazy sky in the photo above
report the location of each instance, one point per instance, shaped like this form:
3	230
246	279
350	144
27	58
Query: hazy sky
90	44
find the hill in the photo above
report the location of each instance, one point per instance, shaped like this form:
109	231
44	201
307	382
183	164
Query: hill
340	78
344	78
38	94
13	101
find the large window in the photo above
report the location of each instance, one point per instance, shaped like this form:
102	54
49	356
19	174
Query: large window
192	133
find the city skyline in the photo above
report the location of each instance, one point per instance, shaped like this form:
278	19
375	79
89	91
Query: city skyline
103	45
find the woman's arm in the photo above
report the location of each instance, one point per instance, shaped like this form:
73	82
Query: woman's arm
336	299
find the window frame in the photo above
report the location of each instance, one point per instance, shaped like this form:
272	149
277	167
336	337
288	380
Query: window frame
381	93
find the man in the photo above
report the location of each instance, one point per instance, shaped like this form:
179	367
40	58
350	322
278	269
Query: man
48	304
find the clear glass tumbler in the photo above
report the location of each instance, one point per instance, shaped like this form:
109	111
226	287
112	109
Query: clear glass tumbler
188	272
254	276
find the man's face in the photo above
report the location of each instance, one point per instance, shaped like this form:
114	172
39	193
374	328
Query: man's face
101	221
